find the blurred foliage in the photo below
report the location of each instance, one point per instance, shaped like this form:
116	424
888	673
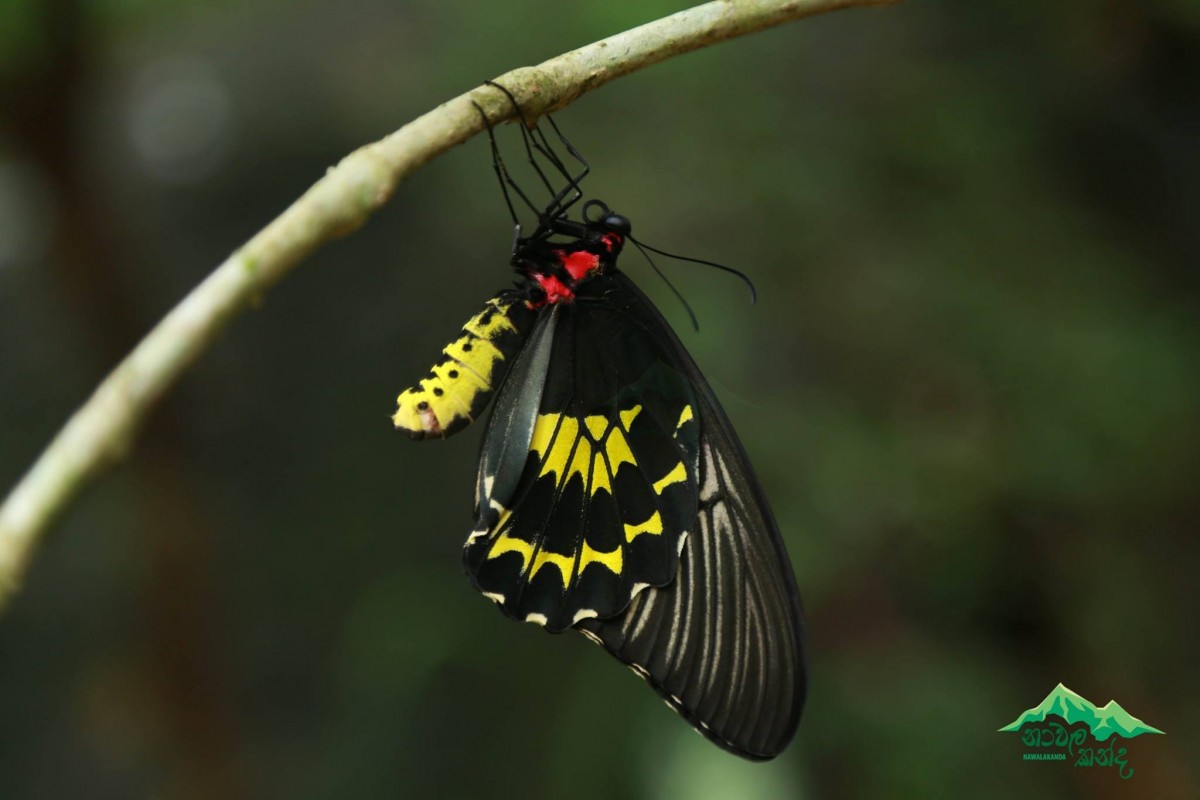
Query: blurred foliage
969	388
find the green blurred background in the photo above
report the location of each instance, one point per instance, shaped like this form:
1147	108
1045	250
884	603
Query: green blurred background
970	388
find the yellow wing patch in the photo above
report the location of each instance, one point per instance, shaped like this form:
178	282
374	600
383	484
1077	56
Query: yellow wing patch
510	544
564	561
611	559
652	525
677	475
594	450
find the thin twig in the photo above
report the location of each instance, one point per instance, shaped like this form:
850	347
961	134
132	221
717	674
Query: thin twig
102	431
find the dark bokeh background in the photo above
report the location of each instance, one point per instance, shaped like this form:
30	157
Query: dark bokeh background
970	388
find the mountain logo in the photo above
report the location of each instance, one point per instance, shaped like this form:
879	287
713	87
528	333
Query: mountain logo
1068	726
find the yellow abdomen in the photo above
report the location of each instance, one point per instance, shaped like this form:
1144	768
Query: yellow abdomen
458	387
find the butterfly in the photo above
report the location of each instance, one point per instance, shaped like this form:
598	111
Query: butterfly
612	494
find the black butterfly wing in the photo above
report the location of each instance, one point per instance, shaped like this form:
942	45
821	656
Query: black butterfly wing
723	643
587	483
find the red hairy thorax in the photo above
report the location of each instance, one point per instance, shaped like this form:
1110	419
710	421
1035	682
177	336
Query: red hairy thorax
577	264
556	291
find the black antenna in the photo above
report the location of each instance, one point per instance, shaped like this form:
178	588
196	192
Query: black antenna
745	278
691	314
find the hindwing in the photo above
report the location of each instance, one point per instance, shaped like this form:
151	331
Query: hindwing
586	495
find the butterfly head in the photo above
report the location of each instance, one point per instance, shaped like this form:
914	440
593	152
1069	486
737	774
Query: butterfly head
606	226
555	268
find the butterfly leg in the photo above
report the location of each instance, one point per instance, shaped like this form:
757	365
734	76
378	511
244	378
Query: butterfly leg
532	144
535	140
506	181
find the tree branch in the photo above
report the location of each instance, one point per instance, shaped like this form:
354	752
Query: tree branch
102	431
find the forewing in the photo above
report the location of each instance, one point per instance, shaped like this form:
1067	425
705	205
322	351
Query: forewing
724	642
